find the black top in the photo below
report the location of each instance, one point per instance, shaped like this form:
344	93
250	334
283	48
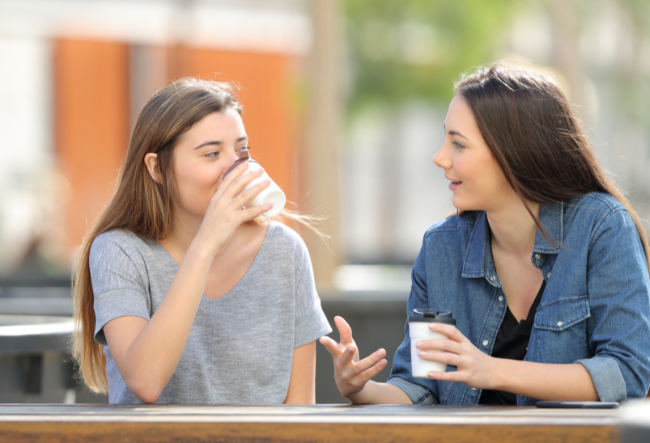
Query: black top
511	342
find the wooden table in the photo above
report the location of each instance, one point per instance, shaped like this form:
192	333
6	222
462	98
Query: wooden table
319	423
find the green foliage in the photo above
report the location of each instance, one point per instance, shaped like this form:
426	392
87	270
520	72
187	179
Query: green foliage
401	50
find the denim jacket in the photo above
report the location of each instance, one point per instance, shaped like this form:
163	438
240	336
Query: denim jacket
595	309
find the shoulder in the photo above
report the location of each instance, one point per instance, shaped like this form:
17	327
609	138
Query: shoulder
453	229
282	236
595	208
607	203
118	242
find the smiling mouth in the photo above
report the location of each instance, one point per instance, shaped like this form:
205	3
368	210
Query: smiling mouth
456	183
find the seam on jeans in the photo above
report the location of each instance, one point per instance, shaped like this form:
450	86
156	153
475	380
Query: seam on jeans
422	398
597	229
471	237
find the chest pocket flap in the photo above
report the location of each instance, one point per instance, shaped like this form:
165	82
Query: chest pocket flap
563	313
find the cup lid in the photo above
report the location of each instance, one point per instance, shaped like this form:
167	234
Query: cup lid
431	316
246	158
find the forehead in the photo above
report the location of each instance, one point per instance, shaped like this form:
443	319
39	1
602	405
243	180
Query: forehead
460	118
459	109
225	121
218	126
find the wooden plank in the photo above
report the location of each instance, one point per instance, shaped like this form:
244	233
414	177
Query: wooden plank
299	432
319	423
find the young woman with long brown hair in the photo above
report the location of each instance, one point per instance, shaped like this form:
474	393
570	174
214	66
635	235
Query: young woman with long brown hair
181	294
544	267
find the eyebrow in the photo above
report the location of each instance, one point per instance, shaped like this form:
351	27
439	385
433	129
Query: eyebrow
219	142
454	132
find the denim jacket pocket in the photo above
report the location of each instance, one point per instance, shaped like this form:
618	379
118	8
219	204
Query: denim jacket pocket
560	331
562	313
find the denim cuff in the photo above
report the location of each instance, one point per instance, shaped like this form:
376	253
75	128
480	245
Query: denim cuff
419	395
607	378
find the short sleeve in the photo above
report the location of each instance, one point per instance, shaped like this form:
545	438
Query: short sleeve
118	286
311	322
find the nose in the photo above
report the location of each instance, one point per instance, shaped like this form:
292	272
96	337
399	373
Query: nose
442	159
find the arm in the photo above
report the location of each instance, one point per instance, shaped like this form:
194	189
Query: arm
302	386
147	352
353	376
541	381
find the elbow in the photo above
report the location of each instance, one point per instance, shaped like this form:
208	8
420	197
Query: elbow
146	390
148	396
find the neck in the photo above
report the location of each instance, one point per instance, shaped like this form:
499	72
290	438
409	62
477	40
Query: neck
513	229
182	234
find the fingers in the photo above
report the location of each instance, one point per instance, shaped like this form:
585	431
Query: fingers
348	354
439	344
344	330
248	194
234	175
255	211
370	361
332	347
372	372
450	331
235	182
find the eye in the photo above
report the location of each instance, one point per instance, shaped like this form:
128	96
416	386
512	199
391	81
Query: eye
457	145
212	154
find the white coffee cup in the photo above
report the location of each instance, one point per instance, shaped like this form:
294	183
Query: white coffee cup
272	194
419	330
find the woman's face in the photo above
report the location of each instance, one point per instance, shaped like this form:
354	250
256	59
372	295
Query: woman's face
202	157
477	181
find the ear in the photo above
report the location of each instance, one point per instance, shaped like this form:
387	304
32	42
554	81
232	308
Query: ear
151	161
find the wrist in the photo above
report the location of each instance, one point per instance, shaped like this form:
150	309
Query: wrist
361	397
198	255
497	374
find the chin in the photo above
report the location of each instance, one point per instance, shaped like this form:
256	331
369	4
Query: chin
464	205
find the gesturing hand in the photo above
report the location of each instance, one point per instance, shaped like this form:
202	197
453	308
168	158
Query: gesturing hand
474	368
351	375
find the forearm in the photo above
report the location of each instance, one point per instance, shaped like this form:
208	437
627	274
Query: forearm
380	393
544	381
152	357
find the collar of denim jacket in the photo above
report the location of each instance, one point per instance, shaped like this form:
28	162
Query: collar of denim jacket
551	217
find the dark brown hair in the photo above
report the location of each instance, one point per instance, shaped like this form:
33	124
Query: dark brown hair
536	138
140	204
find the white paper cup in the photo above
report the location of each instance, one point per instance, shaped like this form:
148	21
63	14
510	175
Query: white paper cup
272	194
419	330
420	368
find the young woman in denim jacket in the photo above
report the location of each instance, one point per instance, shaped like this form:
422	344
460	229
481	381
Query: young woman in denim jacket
545	264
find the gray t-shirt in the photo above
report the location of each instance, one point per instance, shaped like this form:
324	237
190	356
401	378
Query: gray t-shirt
240	348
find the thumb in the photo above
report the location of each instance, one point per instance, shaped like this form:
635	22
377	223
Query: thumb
344	330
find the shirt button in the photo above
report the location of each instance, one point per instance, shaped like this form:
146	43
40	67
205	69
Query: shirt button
492	277
473	389
548	275
501	298
560	323
537	256
485	342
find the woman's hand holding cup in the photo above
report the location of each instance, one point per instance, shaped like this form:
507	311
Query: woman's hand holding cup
350	374
225	214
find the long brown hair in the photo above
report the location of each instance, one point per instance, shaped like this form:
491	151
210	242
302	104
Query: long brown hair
537	138
140	204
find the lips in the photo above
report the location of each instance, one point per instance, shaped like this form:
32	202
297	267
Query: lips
455	183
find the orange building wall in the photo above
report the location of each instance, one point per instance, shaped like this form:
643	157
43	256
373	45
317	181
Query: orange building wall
91	115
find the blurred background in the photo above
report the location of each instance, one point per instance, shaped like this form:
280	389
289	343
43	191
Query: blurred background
344	102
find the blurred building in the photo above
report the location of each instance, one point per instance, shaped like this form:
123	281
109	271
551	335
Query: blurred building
75	74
